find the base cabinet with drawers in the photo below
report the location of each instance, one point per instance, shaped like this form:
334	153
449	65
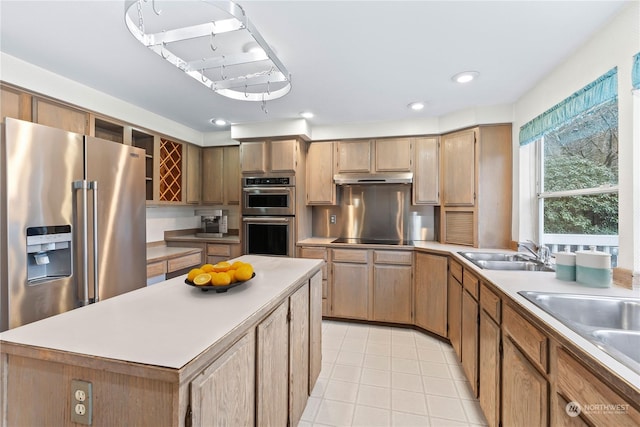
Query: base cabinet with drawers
369	284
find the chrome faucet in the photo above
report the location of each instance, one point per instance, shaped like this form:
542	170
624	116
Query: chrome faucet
540	252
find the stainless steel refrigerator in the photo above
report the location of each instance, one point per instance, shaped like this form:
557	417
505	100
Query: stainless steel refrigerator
73	221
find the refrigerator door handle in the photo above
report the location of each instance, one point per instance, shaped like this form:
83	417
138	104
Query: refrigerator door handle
84	186
94	187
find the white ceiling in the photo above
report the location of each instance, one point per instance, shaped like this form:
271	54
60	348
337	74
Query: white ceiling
351	61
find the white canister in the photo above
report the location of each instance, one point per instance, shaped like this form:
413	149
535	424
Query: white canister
566	265
593	268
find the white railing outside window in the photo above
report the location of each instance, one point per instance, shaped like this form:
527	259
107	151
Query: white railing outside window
581	242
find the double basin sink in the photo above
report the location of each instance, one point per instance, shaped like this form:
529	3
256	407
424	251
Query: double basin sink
505	261
610	323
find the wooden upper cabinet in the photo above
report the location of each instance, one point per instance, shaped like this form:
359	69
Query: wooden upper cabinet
60	116
459	168
194	174
231	171
260	157
320	187
14	104
426	178
353	156
212	183
284	155
221	175
110	130
393	155
253	157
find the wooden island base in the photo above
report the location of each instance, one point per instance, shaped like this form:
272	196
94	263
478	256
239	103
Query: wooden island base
258	370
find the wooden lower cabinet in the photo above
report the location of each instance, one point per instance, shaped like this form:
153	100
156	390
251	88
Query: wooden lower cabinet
316	252
350	285
430	299
298	353
315	329
217	252
272	369
489	369
525	391
454	314
392	300
489	354
224	393
598	403
469	340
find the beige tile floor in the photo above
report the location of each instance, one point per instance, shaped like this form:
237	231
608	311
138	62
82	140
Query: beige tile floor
386	376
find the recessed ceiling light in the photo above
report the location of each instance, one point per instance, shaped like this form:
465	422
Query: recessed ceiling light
416	106
306	114
465	76
219	122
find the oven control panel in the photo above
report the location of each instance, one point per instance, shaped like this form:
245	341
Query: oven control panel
269	181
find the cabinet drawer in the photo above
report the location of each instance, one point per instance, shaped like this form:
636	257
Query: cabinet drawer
392	257
217	249
179	263
350	255
532	342
490	303
471	283
581	386
156	268
314	253
456	270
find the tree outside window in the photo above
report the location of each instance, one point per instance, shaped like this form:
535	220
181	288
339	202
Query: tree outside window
578	182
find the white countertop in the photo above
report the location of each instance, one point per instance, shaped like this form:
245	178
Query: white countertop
512	282
167	324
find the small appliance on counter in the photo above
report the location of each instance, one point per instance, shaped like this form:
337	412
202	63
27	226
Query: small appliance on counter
213	223
593	268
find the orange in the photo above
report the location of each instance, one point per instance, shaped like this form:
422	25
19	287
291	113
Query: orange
202	279
221	266
232	275
193	273
207	268
237	265
220	279
244	272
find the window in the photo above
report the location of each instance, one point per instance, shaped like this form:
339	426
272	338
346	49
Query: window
578	181
577	174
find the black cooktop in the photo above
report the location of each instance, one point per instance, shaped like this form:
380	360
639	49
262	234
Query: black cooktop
361	241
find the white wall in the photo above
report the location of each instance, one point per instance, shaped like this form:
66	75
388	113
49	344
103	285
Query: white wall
614	45
36	79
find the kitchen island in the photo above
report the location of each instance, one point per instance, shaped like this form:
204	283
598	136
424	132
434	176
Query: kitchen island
171	354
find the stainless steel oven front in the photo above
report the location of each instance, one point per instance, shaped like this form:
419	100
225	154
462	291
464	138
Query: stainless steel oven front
267	235
273	195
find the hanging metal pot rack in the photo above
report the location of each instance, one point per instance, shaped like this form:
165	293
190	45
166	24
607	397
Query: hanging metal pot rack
230	70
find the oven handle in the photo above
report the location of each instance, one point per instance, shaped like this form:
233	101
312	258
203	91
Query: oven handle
266	189
267	219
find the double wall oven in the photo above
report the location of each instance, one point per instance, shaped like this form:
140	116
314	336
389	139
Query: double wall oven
268	215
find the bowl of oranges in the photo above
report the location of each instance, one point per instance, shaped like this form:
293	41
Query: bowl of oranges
220	277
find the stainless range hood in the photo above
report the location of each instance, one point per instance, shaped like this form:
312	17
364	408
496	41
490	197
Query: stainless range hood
373	178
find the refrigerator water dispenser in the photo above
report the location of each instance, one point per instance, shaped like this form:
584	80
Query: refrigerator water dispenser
48	253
